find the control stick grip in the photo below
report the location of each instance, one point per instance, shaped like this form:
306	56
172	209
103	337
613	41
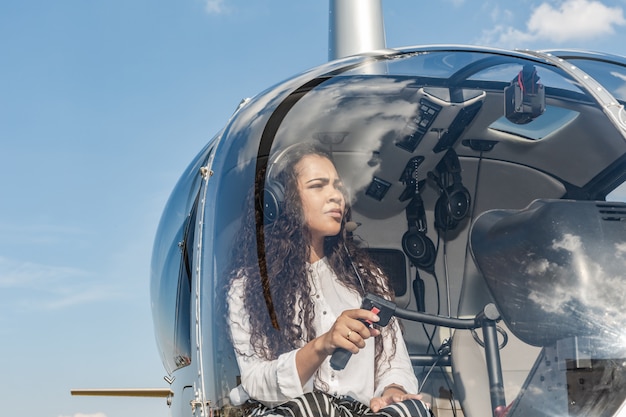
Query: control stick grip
383	308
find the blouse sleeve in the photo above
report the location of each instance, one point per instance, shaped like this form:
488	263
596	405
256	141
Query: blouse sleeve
271	382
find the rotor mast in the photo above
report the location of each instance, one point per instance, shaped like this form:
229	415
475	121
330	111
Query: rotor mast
355	26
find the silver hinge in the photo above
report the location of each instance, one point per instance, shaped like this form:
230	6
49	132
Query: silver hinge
206	172
197	403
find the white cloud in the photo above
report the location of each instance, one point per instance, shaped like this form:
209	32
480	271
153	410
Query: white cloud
48	287
570	243
40	234
621	91
581	281
14	274
75	297
497	13
456	3
620	249
215	6
87	415
574	20
570	20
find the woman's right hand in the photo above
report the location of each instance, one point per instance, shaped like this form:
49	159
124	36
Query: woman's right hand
349	331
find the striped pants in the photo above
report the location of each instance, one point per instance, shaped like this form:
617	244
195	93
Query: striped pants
321	404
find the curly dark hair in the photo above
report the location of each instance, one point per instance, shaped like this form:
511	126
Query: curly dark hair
286	251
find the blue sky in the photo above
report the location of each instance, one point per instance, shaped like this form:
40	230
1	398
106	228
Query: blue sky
102	106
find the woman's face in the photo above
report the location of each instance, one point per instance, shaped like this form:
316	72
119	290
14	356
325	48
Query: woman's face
320	189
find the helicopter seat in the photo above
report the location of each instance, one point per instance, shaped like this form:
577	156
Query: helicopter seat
528	259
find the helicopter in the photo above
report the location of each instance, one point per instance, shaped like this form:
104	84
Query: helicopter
480	182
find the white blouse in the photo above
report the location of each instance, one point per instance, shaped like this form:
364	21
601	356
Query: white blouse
275	382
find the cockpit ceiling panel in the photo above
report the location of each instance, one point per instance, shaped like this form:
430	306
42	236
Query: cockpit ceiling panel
377	118
382	112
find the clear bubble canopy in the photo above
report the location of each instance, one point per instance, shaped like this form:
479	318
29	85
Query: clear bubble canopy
414	134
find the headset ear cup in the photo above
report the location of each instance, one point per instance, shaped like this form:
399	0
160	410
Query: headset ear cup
443	220
273	197
419	248
458	202
452	206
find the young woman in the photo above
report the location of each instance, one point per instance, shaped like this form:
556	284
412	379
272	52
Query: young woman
316	297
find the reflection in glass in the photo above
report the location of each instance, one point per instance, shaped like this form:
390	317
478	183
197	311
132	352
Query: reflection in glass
172	268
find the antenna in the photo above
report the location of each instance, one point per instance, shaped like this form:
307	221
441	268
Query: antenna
354	27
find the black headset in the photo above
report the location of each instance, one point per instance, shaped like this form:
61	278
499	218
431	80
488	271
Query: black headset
416	245
273	189
454	201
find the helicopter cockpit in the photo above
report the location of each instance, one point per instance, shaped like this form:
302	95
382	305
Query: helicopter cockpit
432	144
